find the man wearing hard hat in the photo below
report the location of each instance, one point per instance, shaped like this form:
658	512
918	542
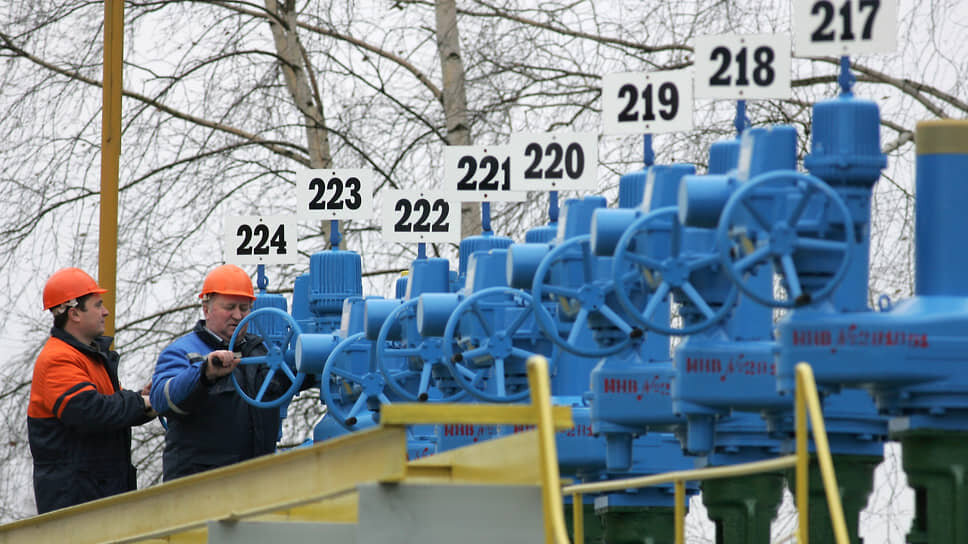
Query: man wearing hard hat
209	424
79	419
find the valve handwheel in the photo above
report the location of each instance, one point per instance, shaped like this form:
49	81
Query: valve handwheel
587	293
346	391
778	239
492	369
661	275
420	357
279	357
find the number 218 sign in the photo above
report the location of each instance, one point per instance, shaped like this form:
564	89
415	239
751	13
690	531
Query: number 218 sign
255	239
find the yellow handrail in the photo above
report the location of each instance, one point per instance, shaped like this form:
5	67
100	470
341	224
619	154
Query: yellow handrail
807	401
554	518
808	398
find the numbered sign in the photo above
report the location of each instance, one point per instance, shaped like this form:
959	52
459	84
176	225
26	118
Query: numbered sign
736	66
334	194
420	216
554	161
641	102
479	173
254	239
844	27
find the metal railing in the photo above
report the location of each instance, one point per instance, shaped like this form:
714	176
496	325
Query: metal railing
807	401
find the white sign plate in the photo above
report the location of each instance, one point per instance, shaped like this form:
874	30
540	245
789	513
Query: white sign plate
255	239
554	161
735	66
334	193
479	173
647	102
420	216
844	27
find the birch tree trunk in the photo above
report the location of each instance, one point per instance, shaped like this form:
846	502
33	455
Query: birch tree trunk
455	96
301	82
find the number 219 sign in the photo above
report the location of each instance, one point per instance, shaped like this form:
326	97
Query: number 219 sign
257	239
647	102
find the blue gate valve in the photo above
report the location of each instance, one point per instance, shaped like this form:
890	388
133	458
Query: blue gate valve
280	356
488	329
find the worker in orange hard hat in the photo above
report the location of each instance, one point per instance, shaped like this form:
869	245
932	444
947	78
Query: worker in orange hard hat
79	419
209	424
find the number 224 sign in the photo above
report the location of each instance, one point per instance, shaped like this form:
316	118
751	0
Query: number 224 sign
255	239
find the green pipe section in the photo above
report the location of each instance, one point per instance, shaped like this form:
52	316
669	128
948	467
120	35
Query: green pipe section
743	508
936	463
855	480
593	525
637	525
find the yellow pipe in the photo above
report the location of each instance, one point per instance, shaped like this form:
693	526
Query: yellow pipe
680	510
806	382
712	473
803	458
110	155
551	485
578	513
406	413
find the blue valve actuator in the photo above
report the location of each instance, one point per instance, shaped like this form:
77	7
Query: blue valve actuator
480	242
269	300
300	303
376	313
661	190
577	217
723	156
312	351
523	262
333	276
766	149
846	142
631	187
354	314
542	234
433	311
430	275
487	269
400	288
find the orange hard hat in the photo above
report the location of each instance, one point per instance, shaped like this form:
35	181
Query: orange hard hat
228	279
67	284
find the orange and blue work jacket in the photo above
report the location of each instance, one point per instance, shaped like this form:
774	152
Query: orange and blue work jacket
79	423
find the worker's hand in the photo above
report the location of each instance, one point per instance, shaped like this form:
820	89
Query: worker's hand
146	390
220	363
149	411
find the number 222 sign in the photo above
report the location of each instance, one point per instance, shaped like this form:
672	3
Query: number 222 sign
255	239
420	216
